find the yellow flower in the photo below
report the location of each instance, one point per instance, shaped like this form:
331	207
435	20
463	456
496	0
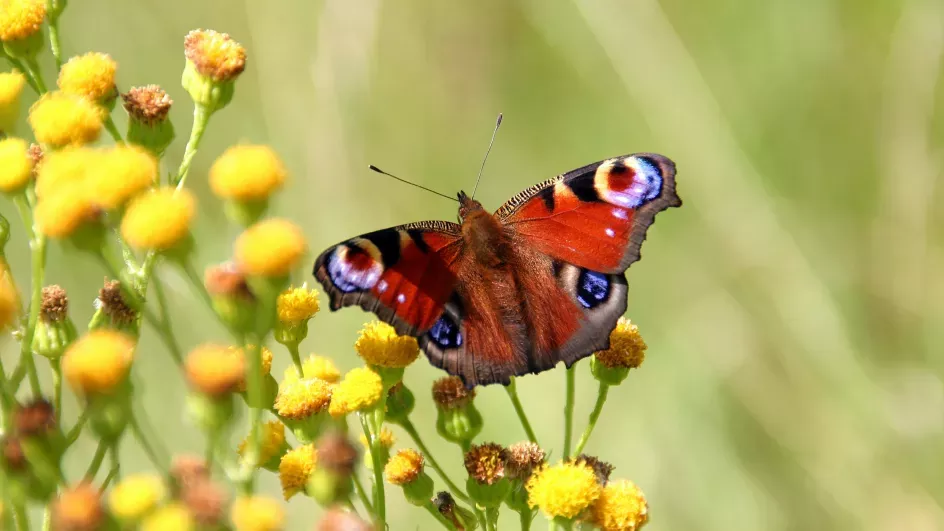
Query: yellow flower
60	215
11	86
485	463
136	495
78	507
61	119
213	370
67	170
9	299
266	363
627	348
215	55
295	469
378	344
91	76
257	513
387	439
158	219
98	361
299	399
173	517
563	490
15	165
404	467
273	440
620	507
360	389
247	173
297	305
20	18
270	248
124	171
318	367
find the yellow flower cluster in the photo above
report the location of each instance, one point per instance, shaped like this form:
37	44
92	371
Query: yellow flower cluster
247	173
297	305
627	347
158	219
257	513
16	166
564	490
11	86
60	119
270	248
273	440
295	469
78	507
315	366
98	362
360	389
620	507
90	76
135	496
171	517
9	299
215	55
387	439
20	18
300	398
404	467
213	370
379	345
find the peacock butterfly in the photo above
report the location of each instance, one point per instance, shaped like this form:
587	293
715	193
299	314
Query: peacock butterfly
541	280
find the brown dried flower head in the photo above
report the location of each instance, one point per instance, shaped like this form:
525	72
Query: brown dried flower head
148	104
227	280
523	458
78	509
486	462
13	456
114	305
337	519
601	468
336	454
34	418
215	55
55	304
206	502
187	469
35	153
450	393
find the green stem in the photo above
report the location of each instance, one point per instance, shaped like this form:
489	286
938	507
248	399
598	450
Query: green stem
380	503
17	64
569	409
491	518
254	390
525	517
157	461
594	416
76	430
439	516
38	259
32	68
54	42
113	130
21	516
163	326
56	366
408	427
362	493
114	472
296	358
96	461
201	116
512	389
47	518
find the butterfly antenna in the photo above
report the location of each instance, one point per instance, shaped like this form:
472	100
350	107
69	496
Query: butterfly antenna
378	170
489	150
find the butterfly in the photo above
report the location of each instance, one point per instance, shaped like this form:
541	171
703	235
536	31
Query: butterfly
503	294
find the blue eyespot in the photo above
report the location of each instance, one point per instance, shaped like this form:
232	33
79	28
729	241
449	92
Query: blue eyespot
592	288
445	333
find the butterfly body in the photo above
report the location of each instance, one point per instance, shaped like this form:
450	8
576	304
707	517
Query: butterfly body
513	292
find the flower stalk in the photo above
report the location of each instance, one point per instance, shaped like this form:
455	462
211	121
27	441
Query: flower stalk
594	416
512	389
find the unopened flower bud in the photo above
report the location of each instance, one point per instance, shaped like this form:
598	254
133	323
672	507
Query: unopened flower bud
457	419
148	123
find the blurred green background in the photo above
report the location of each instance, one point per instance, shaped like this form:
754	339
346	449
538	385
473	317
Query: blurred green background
793	378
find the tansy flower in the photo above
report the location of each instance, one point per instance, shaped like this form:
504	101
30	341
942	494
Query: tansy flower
297	305
257	513
620	507
523	457
15	165
266	360
295	469
300	399
627	347
61	119
67	171
59	215
158	219
404	467
273	440
78	508
9	300
98	361
600	467
148	104
450	393
378	344
270	248
134	496
387	439
563	490
125	170
20	18
485	463
205	501
113	304
11	86
213	370
315	366
173	517
55	303
215	55
91	76
360	389
336	454
247	173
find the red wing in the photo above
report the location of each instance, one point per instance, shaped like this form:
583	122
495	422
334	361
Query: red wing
595	217
405	274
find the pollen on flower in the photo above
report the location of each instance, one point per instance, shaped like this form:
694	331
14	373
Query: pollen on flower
485	463
213	370
11	86
136	495
98	362
270	248
54	305
295	469
387	439
148	104
61	119
215	55
404	467
158	219
297	305
299	399
273	440
171	517
16	167
315	366
627	347
78	507
125	170
378	344
91	76
620	507
450	393
247	173
20	18
523	458
563	490
360	389
257	513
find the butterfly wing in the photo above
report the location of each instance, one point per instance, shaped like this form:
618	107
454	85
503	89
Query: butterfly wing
404	274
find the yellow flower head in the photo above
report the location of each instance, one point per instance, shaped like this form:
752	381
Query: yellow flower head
91	76
266	355
627	348
360	389
387	439
79	507
158	219
404	467
11	86
20	18
378	344
315	366
136	495
67	170
297	305
61	119
60	215
124	171
215	55
98	361
564	490
270	248
300	399
9	299
172	517
213	370
247	173
16	167
295	469
257	513
620	507
485	463
273	440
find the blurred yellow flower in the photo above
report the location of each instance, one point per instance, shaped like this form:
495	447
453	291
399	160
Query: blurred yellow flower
158	219
20	18
295	469
247	173
297	305
404	467
67	170
378	344
627	347
360	389
134	496
215	55
61	119
125	170
266	355
11	87
563	490
299	399
315	367
387	439
213	370
273	440
16	167
91	76
98	361
257	513
172	517
270	248
9	299
78	507
620	507
59	215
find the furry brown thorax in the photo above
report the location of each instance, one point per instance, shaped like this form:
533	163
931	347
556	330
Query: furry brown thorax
481	231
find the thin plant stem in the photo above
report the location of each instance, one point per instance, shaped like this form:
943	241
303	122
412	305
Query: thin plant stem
569	409
491	518
362	493
21	516
594	416
38	259
96	461
56	366
201	116
32	68
54	42
47	518
380	503
146	445
164	326
296	358
512	389
408	427
76	430
114	472
525	517
439	516
113	130
17	64
254	391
